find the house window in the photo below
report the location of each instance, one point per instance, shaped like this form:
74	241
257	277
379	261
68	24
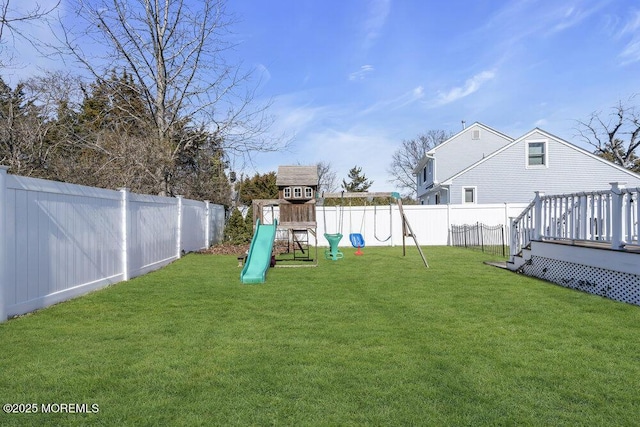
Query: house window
308	193
537	153
297	192
475	134
424	174
437	199
287	192
469	195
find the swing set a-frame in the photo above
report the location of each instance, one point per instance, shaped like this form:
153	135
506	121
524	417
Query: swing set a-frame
333	253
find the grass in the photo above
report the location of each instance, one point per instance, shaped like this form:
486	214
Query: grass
371	340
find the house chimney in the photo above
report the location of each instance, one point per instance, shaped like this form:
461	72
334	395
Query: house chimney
464	125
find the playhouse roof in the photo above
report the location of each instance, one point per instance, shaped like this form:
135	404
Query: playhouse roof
297	175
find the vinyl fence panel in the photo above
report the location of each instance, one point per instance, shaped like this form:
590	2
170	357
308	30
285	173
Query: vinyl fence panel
153	232
61	240
382	225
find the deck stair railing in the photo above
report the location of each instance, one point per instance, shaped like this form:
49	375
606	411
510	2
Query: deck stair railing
608	217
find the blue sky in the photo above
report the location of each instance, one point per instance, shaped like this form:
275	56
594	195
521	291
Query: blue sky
351	79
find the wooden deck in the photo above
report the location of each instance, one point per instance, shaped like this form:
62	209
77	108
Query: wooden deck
594	245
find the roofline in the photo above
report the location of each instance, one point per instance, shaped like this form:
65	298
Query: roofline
422	163
549	135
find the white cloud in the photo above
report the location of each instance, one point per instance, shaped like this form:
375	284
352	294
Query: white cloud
470	86
263	73
377	17
631	51
354	145
405	99
362	73
633	25
571	16
541	123
295	113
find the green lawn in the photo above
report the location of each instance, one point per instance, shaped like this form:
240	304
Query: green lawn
371	340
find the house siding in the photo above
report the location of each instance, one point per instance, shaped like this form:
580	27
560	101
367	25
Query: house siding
505	177
461	151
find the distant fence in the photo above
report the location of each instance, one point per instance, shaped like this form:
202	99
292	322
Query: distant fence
488	239
382	226
61	240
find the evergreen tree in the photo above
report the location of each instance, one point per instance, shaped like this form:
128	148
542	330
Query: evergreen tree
236	231
358	182
248	220
259	187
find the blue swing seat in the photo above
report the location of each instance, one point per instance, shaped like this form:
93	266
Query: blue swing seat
357	241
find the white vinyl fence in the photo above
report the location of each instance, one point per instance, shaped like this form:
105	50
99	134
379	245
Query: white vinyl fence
382	225
61	240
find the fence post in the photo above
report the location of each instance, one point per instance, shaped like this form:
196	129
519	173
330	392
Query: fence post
3	243
449	216
124	223
537	211
207	224
513	237
616	214
179	229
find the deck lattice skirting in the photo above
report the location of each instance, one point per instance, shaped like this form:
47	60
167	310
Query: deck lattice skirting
615	285
586	241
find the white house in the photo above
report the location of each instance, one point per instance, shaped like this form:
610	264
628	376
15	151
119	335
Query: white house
482	165
455	154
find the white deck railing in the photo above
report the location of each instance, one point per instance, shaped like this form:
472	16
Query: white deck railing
608	216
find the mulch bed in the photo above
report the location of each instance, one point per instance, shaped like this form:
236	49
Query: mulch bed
229	249
226	249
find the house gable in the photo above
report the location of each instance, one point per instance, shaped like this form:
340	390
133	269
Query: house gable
466	148
456	153
507	176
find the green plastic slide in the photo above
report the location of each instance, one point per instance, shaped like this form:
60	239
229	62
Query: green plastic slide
259	257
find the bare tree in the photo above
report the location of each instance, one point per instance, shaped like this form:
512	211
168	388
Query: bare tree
615	137
25	130
176	51
326	178
12	21
407	157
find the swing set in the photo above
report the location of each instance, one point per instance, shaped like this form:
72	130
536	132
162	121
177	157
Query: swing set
357	239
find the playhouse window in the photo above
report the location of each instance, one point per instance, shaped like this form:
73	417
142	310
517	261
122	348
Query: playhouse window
297	192
308	193
537	153
287	192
